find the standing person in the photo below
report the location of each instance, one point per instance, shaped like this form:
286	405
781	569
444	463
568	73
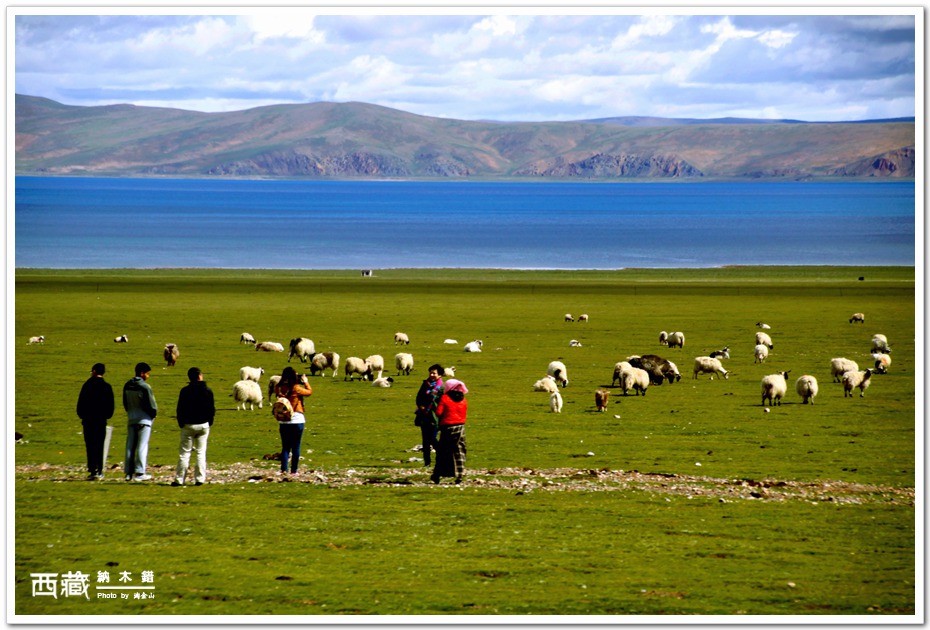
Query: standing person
294	388
451	411
195	417
94	407
425	418
140	406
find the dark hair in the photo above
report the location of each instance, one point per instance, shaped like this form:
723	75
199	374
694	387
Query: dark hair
436	367
193	373
99	368
288	376
142	368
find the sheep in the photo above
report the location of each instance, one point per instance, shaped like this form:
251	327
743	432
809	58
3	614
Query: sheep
355	365
248	373
880	344
600	399
401	338
852	380
663	338
839	367
376	363
302	348
857	318
721	354
121	339
546	384
269	346
383	382
659	369
763	326
39	339
583	317
246	338
882	361
762	353
322	361
763	338
574	343
569	318
272	385
559	372
676	340
707	365
171	353
774	388
672	373
555	402
806	386
403	361
618	368
474	346
451	342
636	379
448	372
247	392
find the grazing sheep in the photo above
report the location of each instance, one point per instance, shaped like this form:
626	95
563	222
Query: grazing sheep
376	363
762	353
302	348
600	399
636	379
663	338
569	318
448	372
248	373
852	380
774	388
882	361
474	346
383	382
171	353
401	338
721	354
839	367
247	392
322	361
39	339
806	386
269	346
246	338
671	372
355	365
451	342
574	343
546	384
555	402
121	339
880	344
403	361
707	365
559	372
857	318
763	338
583	317
763	326
618	369
272	385
659	369
676	340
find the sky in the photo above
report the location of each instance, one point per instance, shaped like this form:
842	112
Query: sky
519	64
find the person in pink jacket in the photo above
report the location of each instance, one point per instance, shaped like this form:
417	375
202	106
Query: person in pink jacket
451	412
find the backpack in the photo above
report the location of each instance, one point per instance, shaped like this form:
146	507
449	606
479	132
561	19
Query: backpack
282	409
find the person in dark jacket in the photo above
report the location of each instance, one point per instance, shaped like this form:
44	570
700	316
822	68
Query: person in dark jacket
195	413
94	407
425	415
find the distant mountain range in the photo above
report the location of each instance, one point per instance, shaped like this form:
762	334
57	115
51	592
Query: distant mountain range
361	140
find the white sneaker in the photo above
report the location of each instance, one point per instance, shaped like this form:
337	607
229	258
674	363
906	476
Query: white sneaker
142	477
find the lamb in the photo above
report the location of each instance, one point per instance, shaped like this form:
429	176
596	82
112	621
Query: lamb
448	372
269	346
707	365
171	353
247	392
676	340
774	388
302	348
721	354
246	338
401	338
569	318
559	372
574	343
39	339
248	373
762	353
663	338
451	342
555	402
322	361
636	379
659	369
583	317
383	382
121	339
355	365
852	380
857	318
474	346
546	384
763	338
882	361
880	344
806	386
618	368
376	363
763	326
403	361
600	399
272	385
672	373
839	367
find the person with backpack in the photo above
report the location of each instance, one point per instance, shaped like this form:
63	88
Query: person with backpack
293	388
451	412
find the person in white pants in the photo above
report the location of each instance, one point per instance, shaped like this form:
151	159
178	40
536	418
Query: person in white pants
195	413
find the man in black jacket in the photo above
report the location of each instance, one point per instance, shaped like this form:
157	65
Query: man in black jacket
94	408
195	417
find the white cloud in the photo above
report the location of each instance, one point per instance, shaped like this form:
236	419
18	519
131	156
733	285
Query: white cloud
777	38
275	24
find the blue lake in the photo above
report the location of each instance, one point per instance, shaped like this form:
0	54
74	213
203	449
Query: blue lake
147	223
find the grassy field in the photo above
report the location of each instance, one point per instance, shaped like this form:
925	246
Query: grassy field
688	500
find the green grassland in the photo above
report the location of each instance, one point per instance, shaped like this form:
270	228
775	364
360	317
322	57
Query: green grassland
394	544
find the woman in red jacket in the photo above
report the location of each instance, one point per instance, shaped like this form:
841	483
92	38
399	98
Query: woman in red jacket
451	411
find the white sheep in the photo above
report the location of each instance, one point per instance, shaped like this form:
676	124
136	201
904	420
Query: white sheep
356	365
546	384
840	365
601	396
401	338
761	353
583	317
451	342
322	361
246	338
574	343
676	340
247	392
376	363
618	369
806	386
663	338
269	346
857	318
474	346
720	354
880	344
171	353
302	348
882	361
763	326
39	339
122	339
707	365
774	388
852	380
272	385
403	361
248	373
569	318
559	372
636	379
555	402
383	382
763	338
448	372
672	374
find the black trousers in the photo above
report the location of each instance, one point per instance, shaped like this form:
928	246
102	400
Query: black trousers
428	433
94	437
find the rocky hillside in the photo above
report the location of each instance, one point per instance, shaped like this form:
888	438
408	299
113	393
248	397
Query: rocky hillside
363	140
